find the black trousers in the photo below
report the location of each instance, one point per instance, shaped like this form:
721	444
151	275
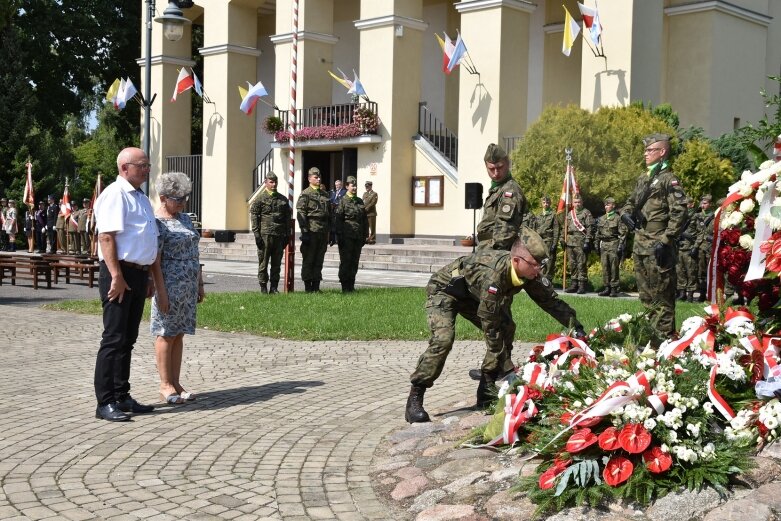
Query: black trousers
120	330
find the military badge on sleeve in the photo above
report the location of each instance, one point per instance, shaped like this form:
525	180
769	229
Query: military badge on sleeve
506	208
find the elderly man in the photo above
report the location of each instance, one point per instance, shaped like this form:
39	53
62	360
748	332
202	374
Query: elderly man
505	205
127	249
313	211
480	287
270	215
656	210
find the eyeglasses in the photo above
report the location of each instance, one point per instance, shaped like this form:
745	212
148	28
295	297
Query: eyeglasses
536	265
183	199
142	166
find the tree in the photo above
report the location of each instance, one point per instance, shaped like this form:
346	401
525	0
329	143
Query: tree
757	139
701	170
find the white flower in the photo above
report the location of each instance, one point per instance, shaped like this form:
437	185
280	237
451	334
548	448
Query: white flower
694	429
589	400
708	407
649	424
732	219
765	165
741	329
771	423
746	205
746	241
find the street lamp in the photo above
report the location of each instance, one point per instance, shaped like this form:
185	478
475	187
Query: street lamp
173	28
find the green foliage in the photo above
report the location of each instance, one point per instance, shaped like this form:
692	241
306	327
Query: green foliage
701	170
759	137
731	147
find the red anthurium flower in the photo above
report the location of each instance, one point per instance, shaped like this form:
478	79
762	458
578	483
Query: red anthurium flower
608	440
548	478
565	418
617	471
590	422
580	441
634	438
657	460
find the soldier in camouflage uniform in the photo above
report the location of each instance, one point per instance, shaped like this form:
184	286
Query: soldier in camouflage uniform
314	220
611	235
579	240
370	202
656	210
703	243
84	218
686	267
504	208
480	287
547	225
352	227
270	215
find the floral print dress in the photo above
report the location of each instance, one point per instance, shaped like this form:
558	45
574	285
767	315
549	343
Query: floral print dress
178	244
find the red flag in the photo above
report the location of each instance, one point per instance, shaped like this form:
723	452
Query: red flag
568	189
29	193
65	207
183	82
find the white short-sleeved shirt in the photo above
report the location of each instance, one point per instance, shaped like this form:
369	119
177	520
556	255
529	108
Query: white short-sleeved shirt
128	212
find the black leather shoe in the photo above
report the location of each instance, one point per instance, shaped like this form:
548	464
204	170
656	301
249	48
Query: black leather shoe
130	405
475	374
111	412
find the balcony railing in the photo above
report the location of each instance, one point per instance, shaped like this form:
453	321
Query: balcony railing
436	133
259	173
331	121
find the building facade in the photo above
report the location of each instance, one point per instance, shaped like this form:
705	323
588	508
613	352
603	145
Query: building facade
708	58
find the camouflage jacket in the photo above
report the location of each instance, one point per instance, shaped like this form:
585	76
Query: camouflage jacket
488	285
270	214
547	225
611	228
689	232
350	219
663	214
314	211
503	213
703	230
370	202
575	236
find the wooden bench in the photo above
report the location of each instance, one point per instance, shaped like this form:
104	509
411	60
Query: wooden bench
22	267
84	267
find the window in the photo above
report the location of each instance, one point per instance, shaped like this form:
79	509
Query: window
428	191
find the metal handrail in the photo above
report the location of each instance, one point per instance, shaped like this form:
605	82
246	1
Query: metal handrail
327	115
265	166
436	133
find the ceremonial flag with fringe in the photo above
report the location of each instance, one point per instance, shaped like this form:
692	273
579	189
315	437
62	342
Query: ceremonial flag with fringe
29	193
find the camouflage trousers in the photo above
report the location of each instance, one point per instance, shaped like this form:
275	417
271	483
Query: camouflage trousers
442	310
273	248
312	255
686	270
657	292
702	268
349	257
608	257
577	264
550	268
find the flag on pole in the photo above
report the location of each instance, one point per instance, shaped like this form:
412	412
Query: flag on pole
249	98
111	93
183	82
197	85
127	94
591	22
569	188
65	207
120	93
458	54
29	193
347	84
357	86
447	47
95	194
571	31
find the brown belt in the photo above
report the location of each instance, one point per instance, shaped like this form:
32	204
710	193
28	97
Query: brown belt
134	265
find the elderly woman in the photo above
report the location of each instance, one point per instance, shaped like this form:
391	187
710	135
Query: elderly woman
178	284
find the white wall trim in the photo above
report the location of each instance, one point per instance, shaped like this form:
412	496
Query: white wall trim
553	28
304	35
226	48
466	6
432	154
162	59
391	21
722	7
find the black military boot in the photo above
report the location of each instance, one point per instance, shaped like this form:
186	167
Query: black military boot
680	295
701	298
274	288
486	391
415	413
581	288
345	287
605	292
308	286
690	296
315	286
264	287
572	288
614	292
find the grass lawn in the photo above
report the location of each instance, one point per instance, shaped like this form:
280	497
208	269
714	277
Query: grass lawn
371	314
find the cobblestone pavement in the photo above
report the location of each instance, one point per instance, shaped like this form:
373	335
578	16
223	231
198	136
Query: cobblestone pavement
281	430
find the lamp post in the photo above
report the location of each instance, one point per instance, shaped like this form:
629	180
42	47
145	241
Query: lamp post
173	28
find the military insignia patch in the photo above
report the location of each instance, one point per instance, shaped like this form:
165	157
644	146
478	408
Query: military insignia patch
492	290
545	281
674	182
508	194
506	208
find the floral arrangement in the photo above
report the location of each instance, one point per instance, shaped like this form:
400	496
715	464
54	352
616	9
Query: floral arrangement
368	121
616	417
364	122
272	125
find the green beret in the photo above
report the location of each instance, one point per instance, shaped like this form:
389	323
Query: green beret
534	244
351	180
494	154
706	198
655	138
610	200
314	171
271	175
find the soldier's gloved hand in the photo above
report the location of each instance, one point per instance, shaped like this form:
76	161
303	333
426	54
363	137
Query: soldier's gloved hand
579	333
694	253
621	250
629	221
259	242
305	238
587	246
664	255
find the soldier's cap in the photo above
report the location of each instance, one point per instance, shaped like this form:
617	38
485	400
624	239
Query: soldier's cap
534	244
655	138
52	198
546	198
706	198
271	175
351	179
494	153
86	200
11	201
314	171
368	183
41	202
610	200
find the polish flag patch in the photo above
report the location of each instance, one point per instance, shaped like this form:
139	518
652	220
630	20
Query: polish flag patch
508	194
492	290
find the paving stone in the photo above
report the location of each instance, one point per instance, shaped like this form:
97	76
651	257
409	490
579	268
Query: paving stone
427	499
463	481
448	513
741	510
508	506
766	470
408	473
409	487
462	467
684	505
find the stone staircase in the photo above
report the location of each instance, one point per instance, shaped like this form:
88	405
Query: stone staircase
414	255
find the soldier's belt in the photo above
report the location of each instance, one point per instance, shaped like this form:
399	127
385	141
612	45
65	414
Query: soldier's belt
484	236
655	226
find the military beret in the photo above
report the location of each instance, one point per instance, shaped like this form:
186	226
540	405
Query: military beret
546	198
610	200
271	175
314	171
494	153
534	244
655	138
368	183
706	198
351	180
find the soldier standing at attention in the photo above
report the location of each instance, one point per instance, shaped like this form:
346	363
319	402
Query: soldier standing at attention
62	234
505	206
351	229
84	218
72	226
611	243
314	220
656	210
579	241
52	217
547	225
703	243
270	215
686	266
480	287
370	203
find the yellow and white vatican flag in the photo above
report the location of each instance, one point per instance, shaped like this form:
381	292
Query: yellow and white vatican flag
571	31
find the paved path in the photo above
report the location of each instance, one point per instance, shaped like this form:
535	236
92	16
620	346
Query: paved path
281	430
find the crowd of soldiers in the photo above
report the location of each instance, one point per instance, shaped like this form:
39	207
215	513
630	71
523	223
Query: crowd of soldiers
325	218
47	229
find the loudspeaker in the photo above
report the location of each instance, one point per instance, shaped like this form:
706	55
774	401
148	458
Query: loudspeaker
224	236
474	196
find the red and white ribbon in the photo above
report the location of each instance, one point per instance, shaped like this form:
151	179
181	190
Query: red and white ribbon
518	409
562	343
694	336
762	232
718	402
